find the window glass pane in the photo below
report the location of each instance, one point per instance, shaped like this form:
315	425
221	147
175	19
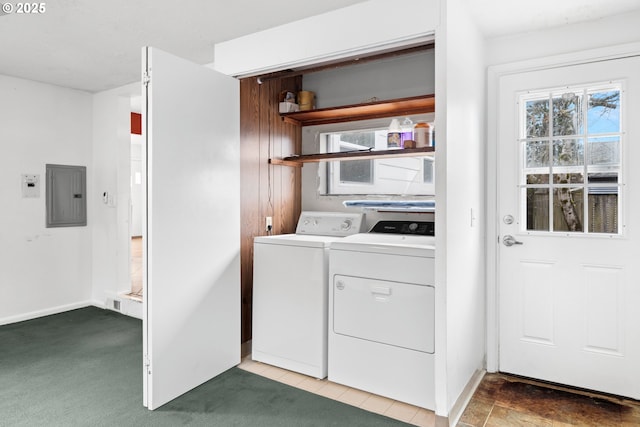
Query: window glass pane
427	174
605	177
537	209
568	208
567	114
568	152
536	154
360	171
354	140
603	115
537	118
603	210
537	178
568	177
604	151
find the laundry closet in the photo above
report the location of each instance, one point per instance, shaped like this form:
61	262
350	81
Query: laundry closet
272	142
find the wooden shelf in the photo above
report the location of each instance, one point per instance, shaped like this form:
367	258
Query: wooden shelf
297	161
373	110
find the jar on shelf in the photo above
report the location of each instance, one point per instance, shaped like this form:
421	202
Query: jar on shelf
422	134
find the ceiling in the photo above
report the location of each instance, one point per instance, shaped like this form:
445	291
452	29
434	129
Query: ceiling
96	45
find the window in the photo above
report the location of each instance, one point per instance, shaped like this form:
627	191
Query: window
388	176
571	144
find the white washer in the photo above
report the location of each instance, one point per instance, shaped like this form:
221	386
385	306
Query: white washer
381	305
290	296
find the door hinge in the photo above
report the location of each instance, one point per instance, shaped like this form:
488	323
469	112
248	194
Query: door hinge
146	78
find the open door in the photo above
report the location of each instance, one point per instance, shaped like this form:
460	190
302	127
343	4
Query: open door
192	225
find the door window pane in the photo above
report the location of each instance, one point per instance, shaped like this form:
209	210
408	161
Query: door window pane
537	178
536	154
568	209
568	178
568	152
537	201
537	118
604	151
603	115
603	178
603	210
567	114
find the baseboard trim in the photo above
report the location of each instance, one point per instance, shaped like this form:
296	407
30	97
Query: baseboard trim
465	397
99	304
46	312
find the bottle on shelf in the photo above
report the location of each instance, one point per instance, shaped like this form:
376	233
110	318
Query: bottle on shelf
393	135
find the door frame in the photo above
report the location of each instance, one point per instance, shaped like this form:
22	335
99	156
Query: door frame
494	75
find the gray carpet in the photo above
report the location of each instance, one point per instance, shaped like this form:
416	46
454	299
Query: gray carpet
83	368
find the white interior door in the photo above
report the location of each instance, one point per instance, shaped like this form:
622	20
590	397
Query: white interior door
568	208
192	282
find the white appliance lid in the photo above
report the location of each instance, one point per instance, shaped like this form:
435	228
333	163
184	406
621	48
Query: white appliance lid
396	244
310	241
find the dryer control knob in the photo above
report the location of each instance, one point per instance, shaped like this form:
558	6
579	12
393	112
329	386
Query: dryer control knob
346	224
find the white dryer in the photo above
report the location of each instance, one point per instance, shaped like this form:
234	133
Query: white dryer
382	312
290	295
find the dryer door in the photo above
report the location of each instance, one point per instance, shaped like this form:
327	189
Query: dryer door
394	313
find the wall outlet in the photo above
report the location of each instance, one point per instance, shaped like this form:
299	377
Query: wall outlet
268	223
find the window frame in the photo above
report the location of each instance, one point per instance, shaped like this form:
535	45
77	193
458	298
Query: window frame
352	188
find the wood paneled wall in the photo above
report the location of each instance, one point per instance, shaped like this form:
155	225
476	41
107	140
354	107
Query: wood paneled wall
266	190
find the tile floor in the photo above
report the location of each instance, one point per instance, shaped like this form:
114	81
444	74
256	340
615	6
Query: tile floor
503	400
367	401
500	401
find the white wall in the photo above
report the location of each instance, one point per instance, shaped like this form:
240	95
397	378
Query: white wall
111	160
460	178
389	78
348	32
42	270
566	39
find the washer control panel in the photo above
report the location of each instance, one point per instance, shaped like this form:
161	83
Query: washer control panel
330	223
422	228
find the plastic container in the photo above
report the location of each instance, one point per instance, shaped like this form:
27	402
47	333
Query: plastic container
422	135
393	135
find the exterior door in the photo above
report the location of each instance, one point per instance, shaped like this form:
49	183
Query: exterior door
569	243
192	226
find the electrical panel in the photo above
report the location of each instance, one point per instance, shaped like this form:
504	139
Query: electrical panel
66	196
